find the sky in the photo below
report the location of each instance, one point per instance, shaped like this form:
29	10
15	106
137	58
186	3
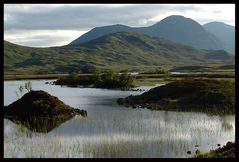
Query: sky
46	25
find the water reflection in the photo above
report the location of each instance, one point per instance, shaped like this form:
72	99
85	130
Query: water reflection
226	125
111	130
40	124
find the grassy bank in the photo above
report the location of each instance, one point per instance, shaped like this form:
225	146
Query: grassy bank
38	76
200	95
227	151
140	78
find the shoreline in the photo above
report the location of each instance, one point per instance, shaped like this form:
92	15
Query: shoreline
211	109
8	77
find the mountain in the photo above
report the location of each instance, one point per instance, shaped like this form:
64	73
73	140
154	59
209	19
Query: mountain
118	51
101	31
175	28
225	33
186	31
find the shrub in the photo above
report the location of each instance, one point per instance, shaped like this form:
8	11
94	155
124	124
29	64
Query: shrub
107	79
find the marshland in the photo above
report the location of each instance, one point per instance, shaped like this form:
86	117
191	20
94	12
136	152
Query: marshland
111	130
119	81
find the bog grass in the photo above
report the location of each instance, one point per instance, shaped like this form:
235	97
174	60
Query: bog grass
145	134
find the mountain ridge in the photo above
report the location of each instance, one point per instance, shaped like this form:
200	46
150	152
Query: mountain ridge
224	32
118	50
175	27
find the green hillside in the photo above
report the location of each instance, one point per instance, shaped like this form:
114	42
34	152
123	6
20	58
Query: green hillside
116	51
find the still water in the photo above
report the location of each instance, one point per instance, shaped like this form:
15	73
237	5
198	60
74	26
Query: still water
111	130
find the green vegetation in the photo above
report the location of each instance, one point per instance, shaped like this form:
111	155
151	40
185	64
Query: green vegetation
207	95
107	79
212	67
118	51
227	151
157	70
38	107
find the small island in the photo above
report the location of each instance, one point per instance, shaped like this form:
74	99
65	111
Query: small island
40	112
201	95
107	79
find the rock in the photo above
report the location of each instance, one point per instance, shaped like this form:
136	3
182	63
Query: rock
218	145
82	112
229	144
120	101
188	152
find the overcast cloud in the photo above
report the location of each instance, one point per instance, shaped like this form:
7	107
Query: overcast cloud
44	25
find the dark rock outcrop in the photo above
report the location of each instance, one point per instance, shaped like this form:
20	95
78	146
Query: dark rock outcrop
39	111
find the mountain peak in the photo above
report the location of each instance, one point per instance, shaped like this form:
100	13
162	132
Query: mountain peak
218	24
100	31
177	19
185	30
175	27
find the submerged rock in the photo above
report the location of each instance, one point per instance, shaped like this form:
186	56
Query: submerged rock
39	111
120	101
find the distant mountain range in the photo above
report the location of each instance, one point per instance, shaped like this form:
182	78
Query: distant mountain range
225	33
214	36
120	51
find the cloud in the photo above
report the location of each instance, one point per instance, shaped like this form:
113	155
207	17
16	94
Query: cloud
74	17
42	38
83	17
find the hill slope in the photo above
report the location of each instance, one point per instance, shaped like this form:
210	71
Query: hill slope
225	33
175	28
101	31
186	31
118	50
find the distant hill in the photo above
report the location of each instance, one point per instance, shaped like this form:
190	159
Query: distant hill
101	31
225	33
176	28
116	51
